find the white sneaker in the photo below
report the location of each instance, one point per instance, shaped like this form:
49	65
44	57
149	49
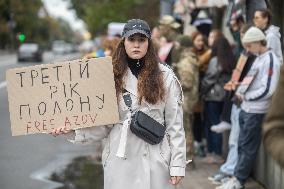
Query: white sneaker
233	183
221	127
226	179
218	177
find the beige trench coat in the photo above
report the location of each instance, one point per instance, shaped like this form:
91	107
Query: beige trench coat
128	161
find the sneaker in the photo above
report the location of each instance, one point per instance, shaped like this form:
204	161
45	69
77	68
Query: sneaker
218	177
199	149
225	179
233	183
221	127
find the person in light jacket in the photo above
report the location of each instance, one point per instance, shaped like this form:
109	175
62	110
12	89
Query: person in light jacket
262	20
128	161
255	92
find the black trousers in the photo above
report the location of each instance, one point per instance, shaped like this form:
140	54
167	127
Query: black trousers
198	127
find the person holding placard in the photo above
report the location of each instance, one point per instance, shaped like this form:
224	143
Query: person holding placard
147	149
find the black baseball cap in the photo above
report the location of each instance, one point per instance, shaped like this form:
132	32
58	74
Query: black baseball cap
134	26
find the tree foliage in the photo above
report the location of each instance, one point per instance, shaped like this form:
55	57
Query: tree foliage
22	16
97	14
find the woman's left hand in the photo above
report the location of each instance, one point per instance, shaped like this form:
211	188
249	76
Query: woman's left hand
175	180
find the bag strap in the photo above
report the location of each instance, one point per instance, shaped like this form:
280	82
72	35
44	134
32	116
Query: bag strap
128	102
127	99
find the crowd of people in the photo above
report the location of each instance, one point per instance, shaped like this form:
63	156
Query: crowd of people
225	86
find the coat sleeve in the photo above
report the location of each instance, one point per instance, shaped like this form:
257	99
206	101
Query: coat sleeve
89	135
186	73
175	130
210	77
265	84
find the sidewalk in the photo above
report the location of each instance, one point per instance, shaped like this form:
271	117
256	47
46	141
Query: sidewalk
5	52
197	178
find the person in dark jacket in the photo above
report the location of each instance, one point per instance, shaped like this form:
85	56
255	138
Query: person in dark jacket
235	27
242	68
218	73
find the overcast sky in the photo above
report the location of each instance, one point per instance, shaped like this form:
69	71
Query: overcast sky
59	8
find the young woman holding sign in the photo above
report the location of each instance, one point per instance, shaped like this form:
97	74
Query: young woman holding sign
146	150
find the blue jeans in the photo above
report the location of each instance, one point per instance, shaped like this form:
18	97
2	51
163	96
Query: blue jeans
249	142
229	166
212	111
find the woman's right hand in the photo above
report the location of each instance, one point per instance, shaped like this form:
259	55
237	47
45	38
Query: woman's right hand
59	131
175	180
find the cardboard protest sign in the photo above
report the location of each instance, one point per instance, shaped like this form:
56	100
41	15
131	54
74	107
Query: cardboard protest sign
77	94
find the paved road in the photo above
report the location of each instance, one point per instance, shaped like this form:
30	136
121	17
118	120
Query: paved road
25	161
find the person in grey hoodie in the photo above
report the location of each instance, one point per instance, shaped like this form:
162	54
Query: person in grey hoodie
255	92
262	19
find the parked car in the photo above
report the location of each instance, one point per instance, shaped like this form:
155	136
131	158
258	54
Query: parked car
86	46
59	47
30	51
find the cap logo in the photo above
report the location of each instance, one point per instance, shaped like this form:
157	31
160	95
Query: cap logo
136	25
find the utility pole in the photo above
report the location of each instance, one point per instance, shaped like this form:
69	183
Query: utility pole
166	7
11	25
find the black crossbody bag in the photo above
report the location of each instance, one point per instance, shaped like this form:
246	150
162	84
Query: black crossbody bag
143	126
